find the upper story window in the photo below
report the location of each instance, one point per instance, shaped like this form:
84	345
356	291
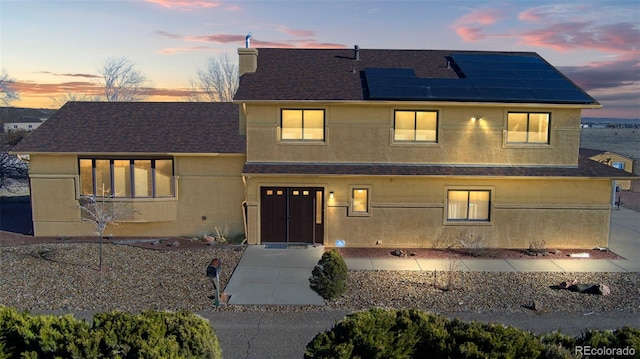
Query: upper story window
415	126
126	178
468	205
528	127
302	125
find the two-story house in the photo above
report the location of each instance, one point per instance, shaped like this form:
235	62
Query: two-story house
393	148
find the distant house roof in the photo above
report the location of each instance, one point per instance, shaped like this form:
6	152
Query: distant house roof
422	75
142	127
589	152
586	168
26	120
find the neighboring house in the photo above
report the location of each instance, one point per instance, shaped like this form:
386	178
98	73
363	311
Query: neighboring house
614	160
23	123
392	148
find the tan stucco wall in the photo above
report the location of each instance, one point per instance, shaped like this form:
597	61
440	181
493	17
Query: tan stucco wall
357	133
410	211
209	193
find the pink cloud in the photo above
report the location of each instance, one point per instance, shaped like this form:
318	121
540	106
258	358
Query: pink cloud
35	89
618	38
185	4
470	26
175	50
296	32
470	34
481	17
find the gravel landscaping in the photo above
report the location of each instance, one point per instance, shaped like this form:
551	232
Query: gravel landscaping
65	276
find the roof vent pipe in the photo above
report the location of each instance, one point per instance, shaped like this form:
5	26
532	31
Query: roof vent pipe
247	40
357	52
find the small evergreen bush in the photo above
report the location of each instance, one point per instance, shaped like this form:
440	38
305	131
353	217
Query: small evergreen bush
113	335
379	333
329	275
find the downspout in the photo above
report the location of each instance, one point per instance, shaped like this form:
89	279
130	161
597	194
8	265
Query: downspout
244	209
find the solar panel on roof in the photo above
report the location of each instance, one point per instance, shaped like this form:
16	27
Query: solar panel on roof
486	77
453	93
397	93
548	84
432	82
497	83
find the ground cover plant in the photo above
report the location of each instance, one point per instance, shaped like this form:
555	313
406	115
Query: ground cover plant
381	333
150	334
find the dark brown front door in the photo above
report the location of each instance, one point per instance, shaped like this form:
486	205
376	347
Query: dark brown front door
292	214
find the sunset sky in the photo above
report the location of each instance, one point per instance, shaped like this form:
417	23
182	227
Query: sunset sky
57	46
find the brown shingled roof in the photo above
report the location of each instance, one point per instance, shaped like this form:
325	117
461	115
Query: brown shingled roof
138	127
335	75
586	168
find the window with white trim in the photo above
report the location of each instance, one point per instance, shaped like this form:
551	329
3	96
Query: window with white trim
468	205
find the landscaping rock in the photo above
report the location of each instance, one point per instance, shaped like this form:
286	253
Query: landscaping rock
537	306
568	283
604	289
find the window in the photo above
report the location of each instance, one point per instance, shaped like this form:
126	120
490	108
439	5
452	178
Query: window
126	178
618	165
359	201
468	205
527	127
415	126
302	125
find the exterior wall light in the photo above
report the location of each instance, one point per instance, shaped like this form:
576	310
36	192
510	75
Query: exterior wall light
331	195
477	118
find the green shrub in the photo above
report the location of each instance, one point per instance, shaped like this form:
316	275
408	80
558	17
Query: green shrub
154	334
113	335
329	275
44	336
379	333
619	338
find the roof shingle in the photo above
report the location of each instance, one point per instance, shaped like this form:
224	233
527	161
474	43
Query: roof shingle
586	168
138	127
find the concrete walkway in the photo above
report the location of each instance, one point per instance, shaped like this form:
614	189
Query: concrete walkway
278	275
272	274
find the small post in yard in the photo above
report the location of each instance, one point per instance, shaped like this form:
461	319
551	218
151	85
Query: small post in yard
213	272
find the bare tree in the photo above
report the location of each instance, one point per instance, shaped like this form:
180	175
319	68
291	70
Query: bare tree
217	82
8	92
72	96
11	168
102	214
122	82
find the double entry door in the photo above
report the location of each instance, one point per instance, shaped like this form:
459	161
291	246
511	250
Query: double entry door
291	214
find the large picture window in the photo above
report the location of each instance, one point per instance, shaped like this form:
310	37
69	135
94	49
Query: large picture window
528	127
126	178
468	205
302	125
415	126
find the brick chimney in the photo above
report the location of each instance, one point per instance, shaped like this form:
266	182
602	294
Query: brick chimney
248	60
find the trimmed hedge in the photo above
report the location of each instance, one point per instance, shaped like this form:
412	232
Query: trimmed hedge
379	333
329	276
149	334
